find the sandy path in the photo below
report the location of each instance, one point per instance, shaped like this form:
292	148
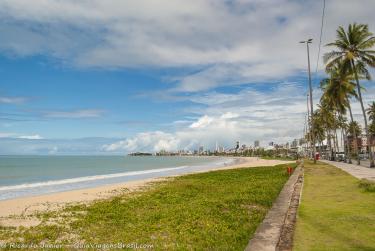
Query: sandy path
15	212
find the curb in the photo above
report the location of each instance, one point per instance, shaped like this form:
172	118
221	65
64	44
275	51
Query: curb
269	232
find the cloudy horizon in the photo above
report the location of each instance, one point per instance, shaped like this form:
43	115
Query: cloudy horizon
113	77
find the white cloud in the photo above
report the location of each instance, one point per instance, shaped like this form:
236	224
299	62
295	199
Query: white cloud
232	42
19	136
35	136
276	115
12	100
148	141
214	43
88	113
202	122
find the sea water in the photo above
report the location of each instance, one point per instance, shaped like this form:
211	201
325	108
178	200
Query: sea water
36	175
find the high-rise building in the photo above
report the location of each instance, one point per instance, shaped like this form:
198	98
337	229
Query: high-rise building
200	151
294	143
256	143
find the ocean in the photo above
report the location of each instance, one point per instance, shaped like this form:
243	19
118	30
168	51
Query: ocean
22	176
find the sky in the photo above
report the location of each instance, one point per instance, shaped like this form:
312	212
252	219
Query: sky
118	76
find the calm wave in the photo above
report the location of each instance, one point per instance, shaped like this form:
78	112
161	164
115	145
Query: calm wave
35	175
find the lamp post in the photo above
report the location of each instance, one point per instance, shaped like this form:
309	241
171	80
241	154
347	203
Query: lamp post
307	42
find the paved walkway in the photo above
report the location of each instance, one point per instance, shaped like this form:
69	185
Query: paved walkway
268	233
359	172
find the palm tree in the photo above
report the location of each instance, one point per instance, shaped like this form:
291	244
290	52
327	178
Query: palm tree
371	115
343	124
354	52
337	91
319	131
327	119
355	127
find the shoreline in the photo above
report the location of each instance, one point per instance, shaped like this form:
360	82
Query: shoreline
19	211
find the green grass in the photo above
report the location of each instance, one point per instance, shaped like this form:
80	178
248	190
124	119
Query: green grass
367	185
335	213
217	210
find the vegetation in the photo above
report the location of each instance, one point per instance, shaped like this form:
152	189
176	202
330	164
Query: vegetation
335	213
367	185
346	65
219	209
371	115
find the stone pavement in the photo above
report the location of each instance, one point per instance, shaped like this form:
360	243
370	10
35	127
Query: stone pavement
359	172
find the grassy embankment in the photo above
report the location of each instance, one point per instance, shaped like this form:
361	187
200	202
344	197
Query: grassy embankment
215	210
337	211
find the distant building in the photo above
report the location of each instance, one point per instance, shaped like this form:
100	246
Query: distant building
271	143
302	141
294	143
200	150
256	143
221	149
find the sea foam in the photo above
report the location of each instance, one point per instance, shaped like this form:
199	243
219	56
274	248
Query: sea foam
87	178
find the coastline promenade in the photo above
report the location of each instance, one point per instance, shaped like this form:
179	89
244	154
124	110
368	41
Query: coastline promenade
360	172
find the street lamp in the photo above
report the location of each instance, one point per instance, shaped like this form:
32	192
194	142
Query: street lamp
307	42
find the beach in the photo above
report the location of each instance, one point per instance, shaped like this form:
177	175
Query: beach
19	211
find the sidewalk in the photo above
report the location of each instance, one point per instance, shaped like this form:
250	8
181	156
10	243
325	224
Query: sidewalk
359	172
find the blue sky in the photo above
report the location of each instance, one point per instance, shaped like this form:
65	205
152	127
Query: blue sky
110	77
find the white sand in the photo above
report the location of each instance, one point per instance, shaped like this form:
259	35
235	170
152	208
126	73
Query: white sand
16	212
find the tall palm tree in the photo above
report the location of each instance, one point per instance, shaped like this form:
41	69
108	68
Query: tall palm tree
344	134
319	131
354	51
327	118
354	129
337	91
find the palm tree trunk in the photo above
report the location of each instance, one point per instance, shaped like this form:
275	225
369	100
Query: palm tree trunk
349	158
343	145
334	143
337	142
320	149
354	133
329	143
372	164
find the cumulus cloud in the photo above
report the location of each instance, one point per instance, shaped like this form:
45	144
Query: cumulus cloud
231	42
211	43
148	141
274	115
202	122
